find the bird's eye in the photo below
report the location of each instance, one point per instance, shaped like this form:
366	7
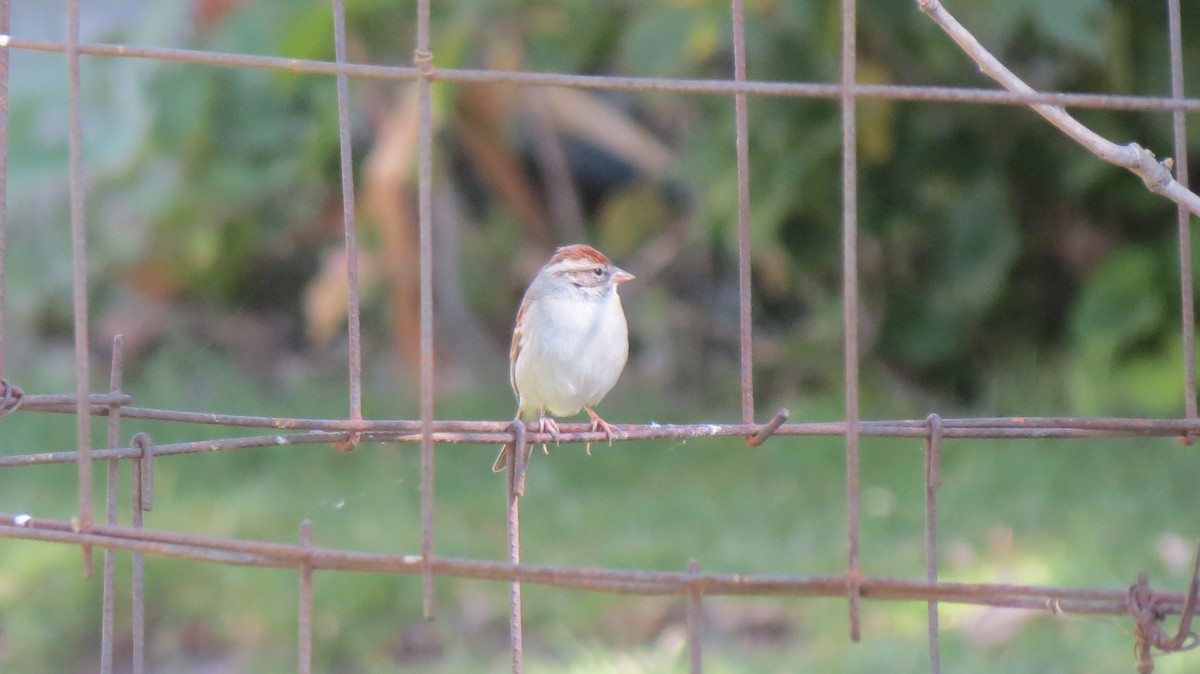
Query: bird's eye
598	271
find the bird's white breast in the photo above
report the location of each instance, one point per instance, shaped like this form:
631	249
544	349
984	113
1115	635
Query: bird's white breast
571	354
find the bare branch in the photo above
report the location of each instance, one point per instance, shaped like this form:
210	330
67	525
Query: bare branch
1155	174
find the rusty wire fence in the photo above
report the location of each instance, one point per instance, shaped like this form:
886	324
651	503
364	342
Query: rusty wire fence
1146	607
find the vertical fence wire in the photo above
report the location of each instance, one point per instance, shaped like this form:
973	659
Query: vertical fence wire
304	637
933	480
79	273
516	475
5	29
694	617
1186	292
349	222
423	59
137	612
850	303
742	134
108	599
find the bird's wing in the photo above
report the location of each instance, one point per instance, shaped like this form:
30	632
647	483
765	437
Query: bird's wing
515	349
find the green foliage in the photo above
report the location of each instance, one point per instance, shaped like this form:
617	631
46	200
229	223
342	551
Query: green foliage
970	216
249	156
967	259
1069	24
1124	331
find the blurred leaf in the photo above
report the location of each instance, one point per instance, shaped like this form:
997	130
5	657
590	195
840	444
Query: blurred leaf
587	116
1124	363
630	216
673	40
967	262
1119	306
876	117
325	298
997	22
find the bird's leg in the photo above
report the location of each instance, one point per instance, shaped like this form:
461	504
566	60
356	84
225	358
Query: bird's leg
547	425
599	424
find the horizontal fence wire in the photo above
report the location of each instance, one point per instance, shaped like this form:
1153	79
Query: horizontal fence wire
1145	605
264	554
897	92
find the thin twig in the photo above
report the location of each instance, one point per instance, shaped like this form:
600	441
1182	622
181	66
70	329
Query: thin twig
1155	174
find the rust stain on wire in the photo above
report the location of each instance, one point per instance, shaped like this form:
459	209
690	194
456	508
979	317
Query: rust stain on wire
768	429
1147	608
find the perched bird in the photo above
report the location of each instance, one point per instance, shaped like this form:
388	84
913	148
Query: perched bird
570	341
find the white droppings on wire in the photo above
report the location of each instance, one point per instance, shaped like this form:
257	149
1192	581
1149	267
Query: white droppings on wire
20	519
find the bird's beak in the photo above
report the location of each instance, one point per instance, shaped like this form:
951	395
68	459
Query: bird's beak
621	276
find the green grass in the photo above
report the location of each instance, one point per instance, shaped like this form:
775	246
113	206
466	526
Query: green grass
1080	513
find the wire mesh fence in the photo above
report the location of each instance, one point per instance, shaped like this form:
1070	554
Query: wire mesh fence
1146	607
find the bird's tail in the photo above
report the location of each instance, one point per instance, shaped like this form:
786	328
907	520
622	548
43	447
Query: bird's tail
502	459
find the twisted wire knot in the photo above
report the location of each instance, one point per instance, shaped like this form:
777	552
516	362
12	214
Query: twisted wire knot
10	398
423	60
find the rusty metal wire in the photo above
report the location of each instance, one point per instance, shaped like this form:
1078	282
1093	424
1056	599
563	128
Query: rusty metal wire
423	60
5	29
694	616
353	320
108	599
79	278
516	488
742	147
304	636
1186	291
850	307
933	480
1145	606
236	552
608	82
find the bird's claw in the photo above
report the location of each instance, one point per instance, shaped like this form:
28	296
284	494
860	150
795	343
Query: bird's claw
548	425
610	431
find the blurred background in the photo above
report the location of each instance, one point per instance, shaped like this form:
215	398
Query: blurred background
1004	271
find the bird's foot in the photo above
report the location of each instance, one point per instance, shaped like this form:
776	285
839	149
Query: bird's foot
599	424
548	425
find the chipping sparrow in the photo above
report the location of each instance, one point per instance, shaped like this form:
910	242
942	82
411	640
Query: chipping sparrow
570	341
